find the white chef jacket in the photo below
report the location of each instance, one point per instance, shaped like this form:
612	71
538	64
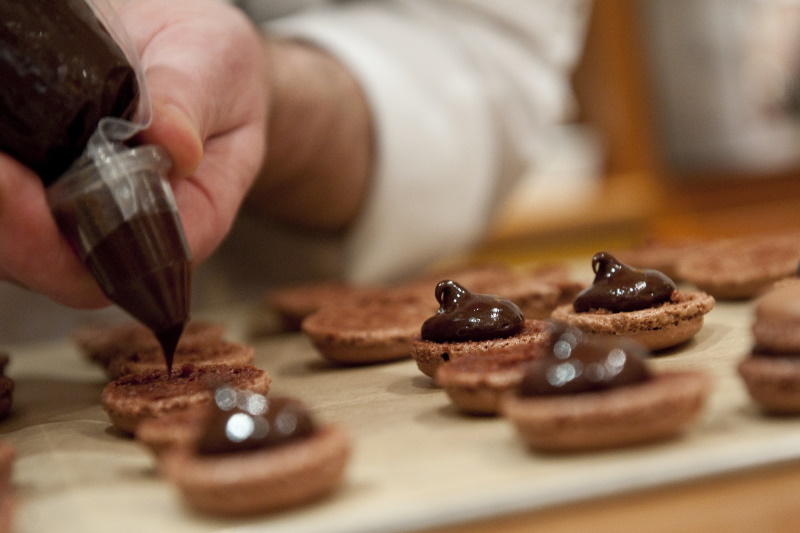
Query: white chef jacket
460	92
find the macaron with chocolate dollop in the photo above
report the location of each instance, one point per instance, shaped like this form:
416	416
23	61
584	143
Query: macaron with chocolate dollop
771	372
593	392
257	454
643	304
470	323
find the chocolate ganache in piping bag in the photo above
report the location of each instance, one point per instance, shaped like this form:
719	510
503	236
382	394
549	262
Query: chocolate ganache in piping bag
71	87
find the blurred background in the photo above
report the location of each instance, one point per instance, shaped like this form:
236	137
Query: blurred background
688	127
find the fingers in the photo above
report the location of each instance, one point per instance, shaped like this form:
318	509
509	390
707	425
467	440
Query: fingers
205	70
214	157
32	251
206	77
209	200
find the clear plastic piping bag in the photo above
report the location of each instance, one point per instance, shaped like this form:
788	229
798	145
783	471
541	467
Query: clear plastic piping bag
114	180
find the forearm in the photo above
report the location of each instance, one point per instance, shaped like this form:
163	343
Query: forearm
319	140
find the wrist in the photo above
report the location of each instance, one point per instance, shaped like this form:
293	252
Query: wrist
319	140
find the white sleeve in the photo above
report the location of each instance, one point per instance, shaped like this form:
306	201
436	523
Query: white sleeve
460	90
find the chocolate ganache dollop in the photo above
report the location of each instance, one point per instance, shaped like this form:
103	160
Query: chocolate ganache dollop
467	316
242	420
618	287
578	362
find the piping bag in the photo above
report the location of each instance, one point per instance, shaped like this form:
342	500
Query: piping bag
112	201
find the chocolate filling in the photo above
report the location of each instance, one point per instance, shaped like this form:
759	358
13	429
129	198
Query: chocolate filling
618	287
467	316
576	362
241	421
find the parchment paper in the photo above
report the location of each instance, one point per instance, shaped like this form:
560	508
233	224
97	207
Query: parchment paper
417	462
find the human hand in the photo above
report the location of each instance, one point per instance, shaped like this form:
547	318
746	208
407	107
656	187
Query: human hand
205	66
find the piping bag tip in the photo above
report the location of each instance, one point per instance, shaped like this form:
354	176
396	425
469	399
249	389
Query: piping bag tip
116	208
